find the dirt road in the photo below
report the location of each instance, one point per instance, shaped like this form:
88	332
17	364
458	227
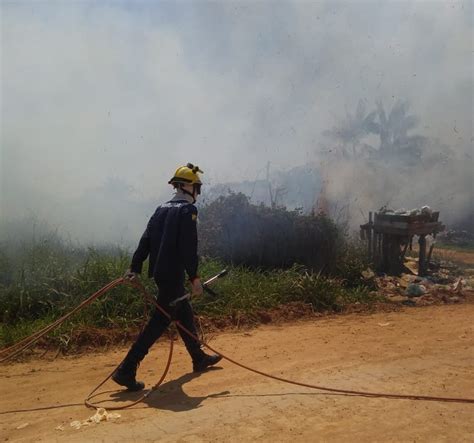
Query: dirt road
465	258
419	350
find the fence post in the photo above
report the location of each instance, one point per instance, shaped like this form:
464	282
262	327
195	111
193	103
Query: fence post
370	236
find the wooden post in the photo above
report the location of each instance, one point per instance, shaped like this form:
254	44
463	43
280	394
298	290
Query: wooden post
402	256
374	248
384	258
422	255
380	247
375	242
430	253
370	236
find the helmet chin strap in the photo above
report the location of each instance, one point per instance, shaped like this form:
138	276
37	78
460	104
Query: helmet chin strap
185	191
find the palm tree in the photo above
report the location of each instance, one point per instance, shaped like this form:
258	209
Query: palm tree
393	132
352	129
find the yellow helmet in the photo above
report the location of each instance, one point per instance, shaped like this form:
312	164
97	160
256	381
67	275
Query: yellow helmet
186	175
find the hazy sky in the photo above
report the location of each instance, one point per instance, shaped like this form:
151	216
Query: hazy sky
96	93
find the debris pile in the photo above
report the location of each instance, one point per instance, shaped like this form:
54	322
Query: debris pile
444	286
425	211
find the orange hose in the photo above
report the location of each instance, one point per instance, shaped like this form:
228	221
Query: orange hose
36	336
29	341
89	404
307	385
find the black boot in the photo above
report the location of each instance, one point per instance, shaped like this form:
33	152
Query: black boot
125	374
201	363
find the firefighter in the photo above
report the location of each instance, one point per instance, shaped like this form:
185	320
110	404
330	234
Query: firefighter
170	244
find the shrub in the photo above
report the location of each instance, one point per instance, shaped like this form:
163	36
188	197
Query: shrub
236	231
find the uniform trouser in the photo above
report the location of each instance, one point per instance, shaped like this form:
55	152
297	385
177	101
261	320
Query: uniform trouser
158	324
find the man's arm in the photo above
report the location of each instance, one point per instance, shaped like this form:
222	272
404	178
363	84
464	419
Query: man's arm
141	252
188	240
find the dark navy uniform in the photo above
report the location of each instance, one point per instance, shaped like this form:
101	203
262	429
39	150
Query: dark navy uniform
170	243
170	239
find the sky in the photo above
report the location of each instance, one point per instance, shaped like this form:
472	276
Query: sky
102	101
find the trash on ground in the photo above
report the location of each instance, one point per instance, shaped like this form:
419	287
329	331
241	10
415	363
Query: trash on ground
445	285
368	274
460	282
412	266
415	290
100	415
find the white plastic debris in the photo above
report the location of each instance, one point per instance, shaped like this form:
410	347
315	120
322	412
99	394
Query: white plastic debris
400	211
59	428
385	210
100	415
76	424
426	210
368	274
460	282
22	426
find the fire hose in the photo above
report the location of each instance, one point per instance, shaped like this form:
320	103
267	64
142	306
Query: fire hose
21	346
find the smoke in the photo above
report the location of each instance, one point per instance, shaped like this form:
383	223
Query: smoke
400	170
100	102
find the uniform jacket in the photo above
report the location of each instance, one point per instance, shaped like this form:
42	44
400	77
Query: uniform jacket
170	241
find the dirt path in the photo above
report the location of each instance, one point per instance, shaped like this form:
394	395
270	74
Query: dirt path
461	257
422	351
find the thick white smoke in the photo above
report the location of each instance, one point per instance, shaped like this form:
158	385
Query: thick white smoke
101	101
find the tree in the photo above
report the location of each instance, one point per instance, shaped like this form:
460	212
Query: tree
351	130
393	132
396	142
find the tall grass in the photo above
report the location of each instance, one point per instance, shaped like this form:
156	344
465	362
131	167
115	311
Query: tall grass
246	290
43	277
243	291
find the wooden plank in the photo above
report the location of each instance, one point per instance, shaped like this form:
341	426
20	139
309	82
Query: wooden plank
408	218
374	247
402	255
370	233
412	229
422	255
430	253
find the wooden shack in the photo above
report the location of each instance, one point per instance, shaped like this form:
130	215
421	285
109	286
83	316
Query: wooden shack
389	235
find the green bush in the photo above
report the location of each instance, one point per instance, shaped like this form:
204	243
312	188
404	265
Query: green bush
352	260
236	231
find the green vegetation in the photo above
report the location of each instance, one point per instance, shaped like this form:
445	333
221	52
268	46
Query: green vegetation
28	306
236	231
246	290
43	277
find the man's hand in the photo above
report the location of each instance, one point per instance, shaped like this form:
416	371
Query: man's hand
196	286
129	275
